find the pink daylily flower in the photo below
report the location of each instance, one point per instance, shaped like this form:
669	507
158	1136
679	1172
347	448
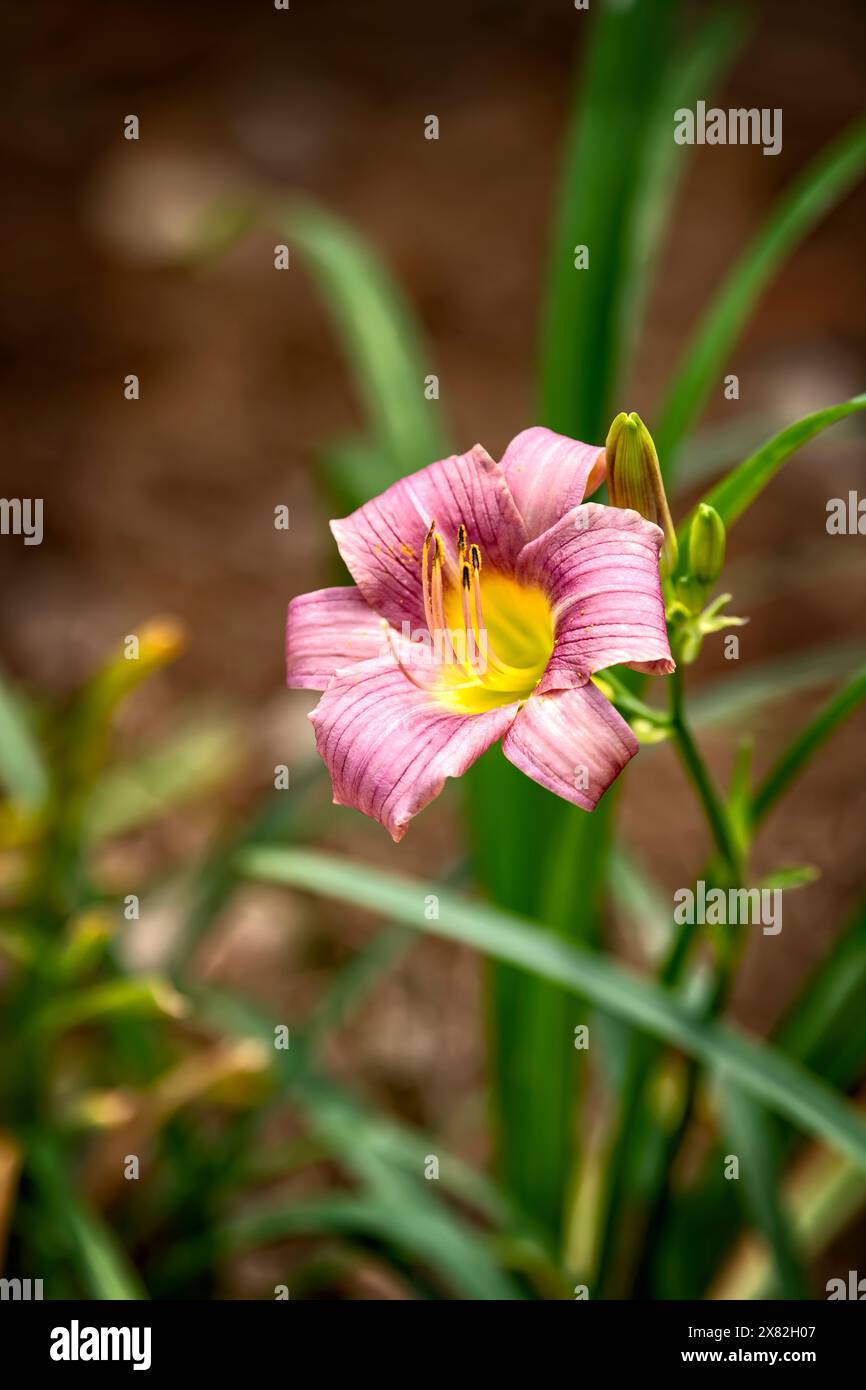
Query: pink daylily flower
488	594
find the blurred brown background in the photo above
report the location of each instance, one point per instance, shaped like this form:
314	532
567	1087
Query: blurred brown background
166	504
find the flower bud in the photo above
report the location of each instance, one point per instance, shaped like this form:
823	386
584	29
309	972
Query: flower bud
706	545
634	479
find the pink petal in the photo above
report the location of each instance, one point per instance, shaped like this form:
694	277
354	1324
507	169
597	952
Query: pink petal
327	630
389	745
381	542
599	568
573	742
549	474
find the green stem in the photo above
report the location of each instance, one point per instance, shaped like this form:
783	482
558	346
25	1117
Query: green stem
732	859
655	1220
643	1054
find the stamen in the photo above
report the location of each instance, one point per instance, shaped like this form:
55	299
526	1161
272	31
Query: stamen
425	580
480	664
438	600
473	659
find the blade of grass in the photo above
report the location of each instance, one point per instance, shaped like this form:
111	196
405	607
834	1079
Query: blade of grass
190	764
826	1026
835	171
617	187
462	1263
388	358
366	1142
716	447
806	744
640	900
824	1030
534	1115
142	996
822	1197
354	980
22	770
754	1142
100	1260
694	73
741	693
763	1073
600	208
282	817
397	1205
81	740
734	493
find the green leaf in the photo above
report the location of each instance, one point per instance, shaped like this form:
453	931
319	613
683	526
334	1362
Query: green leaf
716	446
640	900
368	1143
397	1206
763	1073
620	170
825	1030
827	180
284	817
188	765
826	1025
531	853
799	876
422	1232
742	693
95	1250
739	488
603	206
22	770
87	725
806	744
755	1144
692	73
134	996
823	1198
353	981
388	358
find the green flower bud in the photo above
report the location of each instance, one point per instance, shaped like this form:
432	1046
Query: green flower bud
634	479
706	545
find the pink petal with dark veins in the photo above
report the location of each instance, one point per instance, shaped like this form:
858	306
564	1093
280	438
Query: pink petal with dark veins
599	568
549	474
327	630
389	745
381	542
572	741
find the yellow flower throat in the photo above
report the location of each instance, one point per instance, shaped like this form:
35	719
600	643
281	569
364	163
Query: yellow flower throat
490	654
